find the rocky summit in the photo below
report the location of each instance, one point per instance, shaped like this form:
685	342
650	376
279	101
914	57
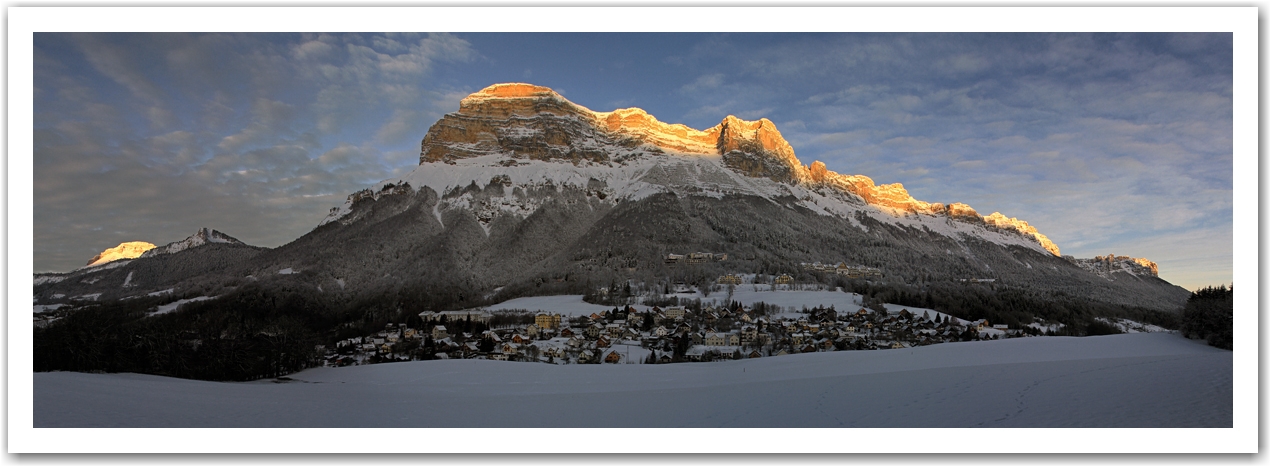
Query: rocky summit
128	250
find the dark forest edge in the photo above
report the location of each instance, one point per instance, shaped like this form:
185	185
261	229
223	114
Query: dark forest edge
1210	315
256	332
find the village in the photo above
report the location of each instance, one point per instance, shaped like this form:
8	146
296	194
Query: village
689	331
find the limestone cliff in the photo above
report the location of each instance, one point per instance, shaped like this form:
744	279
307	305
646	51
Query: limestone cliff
129	250
524	121
1106	265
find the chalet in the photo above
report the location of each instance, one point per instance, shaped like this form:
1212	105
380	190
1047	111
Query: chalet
602	342
594	330
410	333
566	332
613	357
784	279
730	279
575	342
518	339
897	345
586	357
809	348
734	339
664	358
510	348
754	354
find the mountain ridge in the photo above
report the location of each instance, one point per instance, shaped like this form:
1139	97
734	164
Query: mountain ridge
531	122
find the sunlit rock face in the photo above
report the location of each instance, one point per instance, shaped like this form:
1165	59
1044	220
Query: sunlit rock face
1001	221
1105	265
129	250
524	121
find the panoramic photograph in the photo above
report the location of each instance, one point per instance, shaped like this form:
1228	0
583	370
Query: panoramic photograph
633	230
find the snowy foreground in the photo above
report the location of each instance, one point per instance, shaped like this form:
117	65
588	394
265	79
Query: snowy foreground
1131	380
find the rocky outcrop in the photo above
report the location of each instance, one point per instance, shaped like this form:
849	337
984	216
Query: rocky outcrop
523	121
199	238
129	250
1104	266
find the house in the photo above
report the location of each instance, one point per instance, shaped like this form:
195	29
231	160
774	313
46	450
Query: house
754	354
613	357
439	332
897	345
734	339
676	312
586	357
674	258
730	279
714	339
566	332
660	331
784	279
545	320
518	339
533	329
594	330
602	342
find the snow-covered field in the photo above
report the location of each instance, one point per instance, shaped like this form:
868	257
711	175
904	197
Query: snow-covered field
565	305
1130	380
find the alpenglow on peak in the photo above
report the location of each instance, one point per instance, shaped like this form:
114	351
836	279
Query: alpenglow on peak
524	121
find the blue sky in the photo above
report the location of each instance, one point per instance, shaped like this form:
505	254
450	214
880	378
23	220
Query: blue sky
1108	143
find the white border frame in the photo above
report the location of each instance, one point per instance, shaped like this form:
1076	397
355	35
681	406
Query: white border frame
1241	21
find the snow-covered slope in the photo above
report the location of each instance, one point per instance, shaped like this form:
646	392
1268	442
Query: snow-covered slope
199	238
636	178
1131	380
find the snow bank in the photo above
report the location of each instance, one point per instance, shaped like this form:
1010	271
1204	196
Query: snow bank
1131	380
172	306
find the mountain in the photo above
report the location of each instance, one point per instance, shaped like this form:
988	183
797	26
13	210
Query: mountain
522	192
208	258
128	250
1108	265
199	238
